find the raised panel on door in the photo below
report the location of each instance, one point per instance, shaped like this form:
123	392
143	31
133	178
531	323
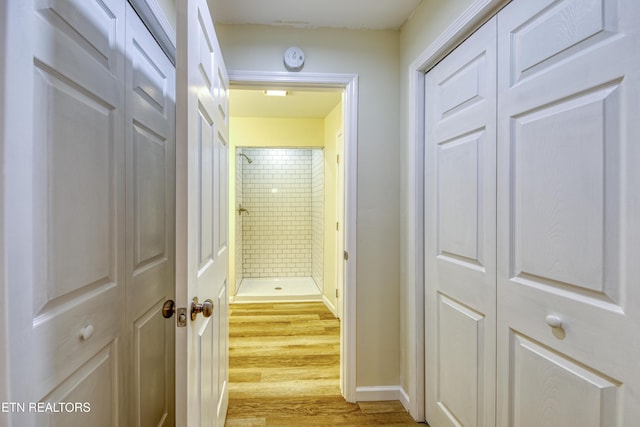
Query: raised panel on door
568	192
460	234
202	262
69	405
150	183
64	318
546	383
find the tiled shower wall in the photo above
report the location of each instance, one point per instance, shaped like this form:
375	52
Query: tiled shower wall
240	162
277	233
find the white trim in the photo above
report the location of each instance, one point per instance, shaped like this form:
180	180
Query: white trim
348	83
415	259
332	308
406	402
156	21
377	393
479	12
249	79
471	19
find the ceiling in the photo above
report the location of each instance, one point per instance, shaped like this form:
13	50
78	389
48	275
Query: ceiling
298	104
354	14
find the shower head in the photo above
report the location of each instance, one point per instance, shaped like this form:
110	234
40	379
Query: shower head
246	157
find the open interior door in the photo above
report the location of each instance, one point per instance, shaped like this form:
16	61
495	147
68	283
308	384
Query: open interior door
202	256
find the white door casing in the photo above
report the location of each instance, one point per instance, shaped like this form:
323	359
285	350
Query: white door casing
150	227
569	213
460	263
340	235
202	256
64	208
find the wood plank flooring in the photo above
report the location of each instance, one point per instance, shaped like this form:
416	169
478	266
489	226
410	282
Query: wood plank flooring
284	370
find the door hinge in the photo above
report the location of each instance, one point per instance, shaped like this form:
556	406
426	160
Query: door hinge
346	256
336	293
338	158
337	226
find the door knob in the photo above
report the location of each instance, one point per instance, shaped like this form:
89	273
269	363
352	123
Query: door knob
168	308
206	308
554	321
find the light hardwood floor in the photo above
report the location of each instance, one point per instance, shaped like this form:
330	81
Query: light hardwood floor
284	361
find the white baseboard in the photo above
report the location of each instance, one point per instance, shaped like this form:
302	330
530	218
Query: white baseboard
386	392
330	306
405	399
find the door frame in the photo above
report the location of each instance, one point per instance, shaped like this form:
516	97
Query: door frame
349	84
156	21
340	209
472	18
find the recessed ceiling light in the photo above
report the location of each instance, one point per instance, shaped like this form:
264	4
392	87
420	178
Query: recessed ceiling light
272	92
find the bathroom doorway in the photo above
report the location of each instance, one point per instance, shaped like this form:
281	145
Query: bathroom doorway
345	86
284	189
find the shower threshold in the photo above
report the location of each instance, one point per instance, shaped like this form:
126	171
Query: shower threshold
277	289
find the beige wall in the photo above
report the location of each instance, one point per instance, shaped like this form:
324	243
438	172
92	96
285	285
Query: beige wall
428	21
374	56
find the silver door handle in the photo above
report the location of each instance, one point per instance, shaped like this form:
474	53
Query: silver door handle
206	308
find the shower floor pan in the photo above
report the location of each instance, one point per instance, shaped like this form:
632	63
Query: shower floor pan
276	289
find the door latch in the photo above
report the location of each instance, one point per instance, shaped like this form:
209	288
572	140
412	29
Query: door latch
182	317
169	307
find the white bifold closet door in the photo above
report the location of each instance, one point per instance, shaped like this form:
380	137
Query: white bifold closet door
531	261
150	228
90	210
460	246
569	213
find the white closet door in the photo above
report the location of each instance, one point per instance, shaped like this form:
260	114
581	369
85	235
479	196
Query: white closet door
65	222
569	213
460	234
150	224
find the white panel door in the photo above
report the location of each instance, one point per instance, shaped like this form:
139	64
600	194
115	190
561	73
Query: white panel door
460	135
64	209
202	261
569	213
150	213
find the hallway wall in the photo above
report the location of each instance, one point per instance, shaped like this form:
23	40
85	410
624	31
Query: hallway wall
374	56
